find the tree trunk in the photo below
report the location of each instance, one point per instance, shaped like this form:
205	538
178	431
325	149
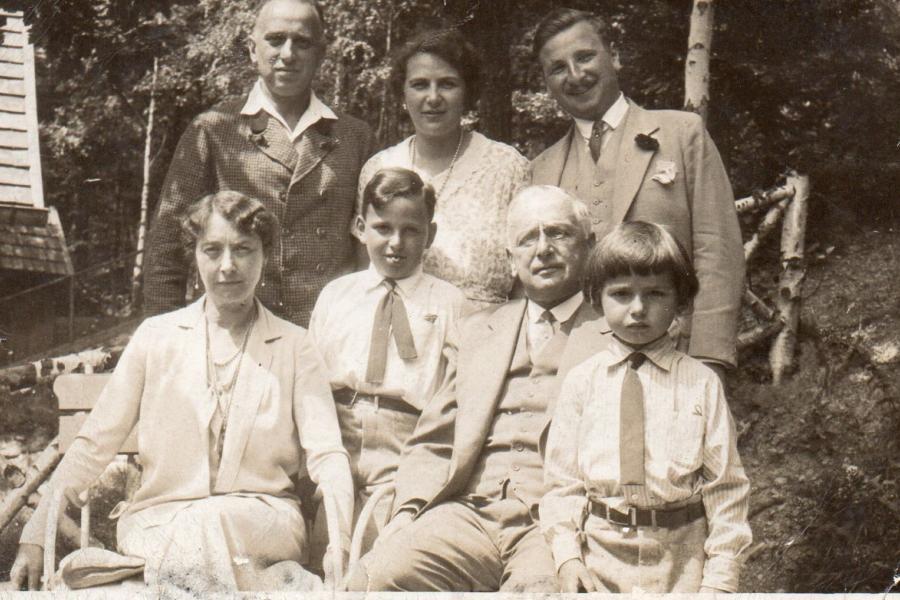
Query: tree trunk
793	265
696	66
382	133
492	36
145	197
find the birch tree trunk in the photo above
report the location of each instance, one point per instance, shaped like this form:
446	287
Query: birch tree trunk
793	265
696	66
145	195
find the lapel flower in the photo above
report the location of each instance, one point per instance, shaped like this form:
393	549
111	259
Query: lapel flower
646	141
258	128
259	139
329	144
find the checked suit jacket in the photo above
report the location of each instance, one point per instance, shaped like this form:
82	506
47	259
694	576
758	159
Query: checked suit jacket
439	458
697	207
312	192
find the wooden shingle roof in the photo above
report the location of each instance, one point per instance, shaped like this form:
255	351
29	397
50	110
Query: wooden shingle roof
31	238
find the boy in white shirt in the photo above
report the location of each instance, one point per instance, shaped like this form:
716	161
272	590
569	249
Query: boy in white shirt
646	491
382	332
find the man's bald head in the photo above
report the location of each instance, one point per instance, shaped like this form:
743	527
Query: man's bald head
263	6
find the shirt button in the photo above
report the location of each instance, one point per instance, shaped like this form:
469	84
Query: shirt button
320	231
519	447
634	496
320	268
596	202
515	467
596	221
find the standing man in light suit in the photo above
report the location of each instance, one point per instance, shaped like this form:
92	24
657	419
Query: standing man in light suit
632	164
282	146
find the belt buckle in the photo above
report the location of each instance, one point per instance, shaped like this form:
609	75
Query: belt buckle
376	401
653	519
632	515
353	398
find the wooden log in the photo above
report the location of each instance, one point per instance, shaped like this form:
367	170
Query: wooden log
48	369
16	499
757	335
766	227
759	306
696	64
793	265
762	199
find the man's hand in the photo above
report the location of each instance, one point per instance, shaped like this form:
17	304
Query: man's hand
574	577
27	567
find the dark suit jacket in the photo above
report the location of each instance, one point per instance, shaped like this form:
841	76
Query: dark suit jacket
452	430
697	207
312	192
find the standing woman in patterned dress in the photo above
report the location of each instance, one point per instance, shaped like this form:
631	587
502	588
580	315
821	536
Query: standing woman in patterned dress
474	177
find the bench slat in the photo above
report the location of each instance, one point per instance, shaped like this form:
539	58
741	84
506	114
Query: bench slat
77	391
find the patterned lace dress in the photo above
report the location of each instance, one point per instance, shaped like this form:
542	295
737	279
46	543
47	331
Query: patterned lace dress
469	250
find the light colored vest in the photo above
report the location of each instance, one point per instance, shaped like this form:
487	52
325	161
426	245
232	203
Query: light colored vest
510	464
594	183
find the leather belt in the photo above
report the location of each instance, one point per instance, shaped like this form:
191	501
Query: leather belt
349	397
649	517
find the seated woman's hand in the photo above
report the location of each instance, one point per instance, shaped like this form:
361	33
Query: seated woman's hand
27	567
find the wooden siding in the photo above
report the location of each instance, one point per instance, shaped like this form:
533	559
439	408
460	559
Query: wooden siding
20	164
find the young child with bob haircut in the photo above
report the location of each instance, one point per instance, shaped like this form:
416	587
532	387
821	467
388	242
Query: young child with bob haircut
646	491
382	332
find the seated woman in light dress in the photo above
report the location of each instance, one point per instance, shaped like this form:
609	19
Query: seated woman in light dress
474	177
231	404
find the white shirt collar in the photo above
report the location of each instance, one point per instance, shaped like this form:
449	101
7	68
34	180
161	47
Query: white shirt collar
612	117
562	312
407	285
259	100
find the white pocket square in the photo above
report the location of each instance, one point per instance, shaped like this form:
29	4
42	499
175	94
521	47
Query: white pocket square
666	172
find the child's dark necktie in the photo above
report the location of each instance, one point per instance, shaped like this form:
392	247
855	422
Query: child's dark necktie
390	318
631	424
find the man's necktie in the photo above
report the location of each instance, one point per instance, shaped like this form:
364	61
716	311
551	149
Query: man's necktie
390	319
544	329
631	424
596	141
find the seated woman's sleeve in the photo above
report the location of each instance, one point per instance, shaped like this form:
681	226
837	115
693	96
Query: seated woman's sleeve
320	435
103	433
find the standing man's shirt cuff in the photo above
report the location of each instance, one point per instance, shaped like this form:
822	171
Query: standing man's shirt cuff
721	573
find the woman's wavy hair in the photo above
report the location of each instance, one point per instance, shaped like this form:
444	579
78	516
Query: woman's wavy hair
450	46
246	214
639	248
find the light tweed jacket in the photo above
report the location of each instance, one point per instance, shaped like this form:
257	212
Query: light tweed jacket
313	193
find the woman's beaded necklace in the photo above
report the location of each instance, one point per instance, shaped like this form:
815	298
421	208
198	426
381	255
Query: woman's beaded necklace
224	394
462	134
